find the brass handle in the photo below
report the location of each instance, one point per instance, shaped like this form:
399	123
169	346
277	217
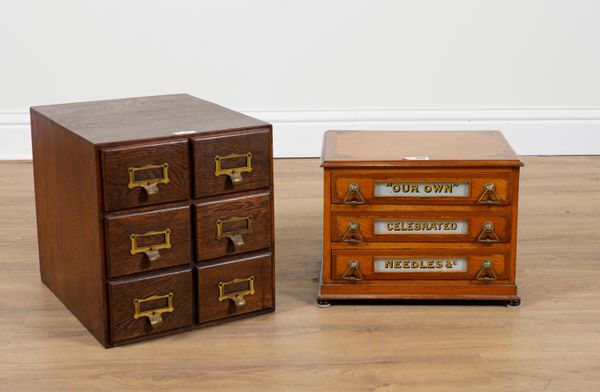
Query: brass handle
236	297
153	315
353	271
236	236
489	195
487	271
354	196
352	233
488	234
151	251
234	173
151	185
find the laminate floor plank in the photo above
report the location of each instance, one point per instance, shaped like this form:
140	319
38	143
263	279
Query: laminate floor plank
551	343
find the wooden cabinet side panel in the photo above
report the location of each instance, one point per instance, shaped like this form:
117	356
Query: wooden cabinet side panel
512	268
67	195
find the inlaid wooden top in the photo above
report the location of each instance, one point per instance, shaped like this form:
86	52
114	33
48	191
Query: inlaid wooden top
154	117
416	148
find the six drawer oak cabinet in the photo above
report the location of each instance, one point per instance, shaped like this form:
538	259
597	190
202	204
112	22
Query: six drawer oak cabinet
155	214
419	215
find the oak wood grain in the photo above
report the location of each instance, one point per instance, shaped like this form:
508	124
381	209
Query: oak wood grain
257	266
117	161
254	208
413	148
119	228
156	117
551	343
123	292
205	150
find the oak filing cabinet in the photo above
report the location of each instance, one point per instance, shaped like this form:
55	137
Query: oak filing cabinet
419	215
155	214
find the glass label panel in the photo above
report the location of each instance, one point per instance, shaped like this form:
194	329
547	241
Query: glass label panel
420	264
421	189
416	226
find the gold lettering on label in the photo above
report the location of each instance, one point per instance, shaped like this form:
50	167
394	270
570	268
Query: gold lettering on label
414	189
397	263
406	264
448	264
414	264
390	226
430	264
437	188
448	188
439	264
427	188
389	264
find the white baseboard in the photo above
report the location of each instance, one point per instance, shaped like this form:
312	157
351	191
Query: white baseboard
298	133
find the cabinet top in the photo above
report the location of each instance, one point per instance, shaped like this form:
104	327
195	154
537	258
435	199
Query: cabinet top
416	149
155	117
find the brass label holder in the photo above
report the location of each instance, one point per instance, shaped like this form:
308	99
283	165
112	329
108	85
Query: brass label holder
486	272
488	234
151	185
234	173
153	315
352	233
151	251
237	297
489	195
354	196
353	271
236	236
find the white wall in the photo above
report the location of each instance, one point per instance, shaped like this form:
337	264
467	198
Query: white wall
530	68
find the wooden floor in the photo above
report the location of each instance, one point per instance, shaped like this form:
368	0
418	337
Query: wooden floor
551	343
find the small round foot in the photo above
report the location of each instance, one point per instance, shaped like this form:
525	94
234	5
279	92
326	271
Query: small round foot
513	303
321	303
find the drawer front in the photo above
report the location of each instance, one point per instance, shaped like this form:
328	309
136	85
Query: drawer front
234	287
482	266
233	225
145	174
232	163
432	187
148	241
145	306
486	226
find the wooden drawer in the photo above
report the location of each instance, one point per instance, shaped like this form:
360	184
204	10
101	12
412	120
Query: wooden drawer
227	226
146	241
232	163
145	174
145	306
234	287
422	187
421	224
434	264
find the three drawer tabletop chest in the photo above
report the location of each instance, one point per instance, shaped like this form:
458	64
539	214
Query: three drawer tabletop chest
155	214
419	215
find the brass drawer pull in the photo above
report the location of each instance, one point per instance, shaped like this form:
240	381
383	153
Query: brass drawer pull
151	185
487	233
487	271
151	251
234	173
154	315
352	234
236	297
489	195
236	236
354	196
353	271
